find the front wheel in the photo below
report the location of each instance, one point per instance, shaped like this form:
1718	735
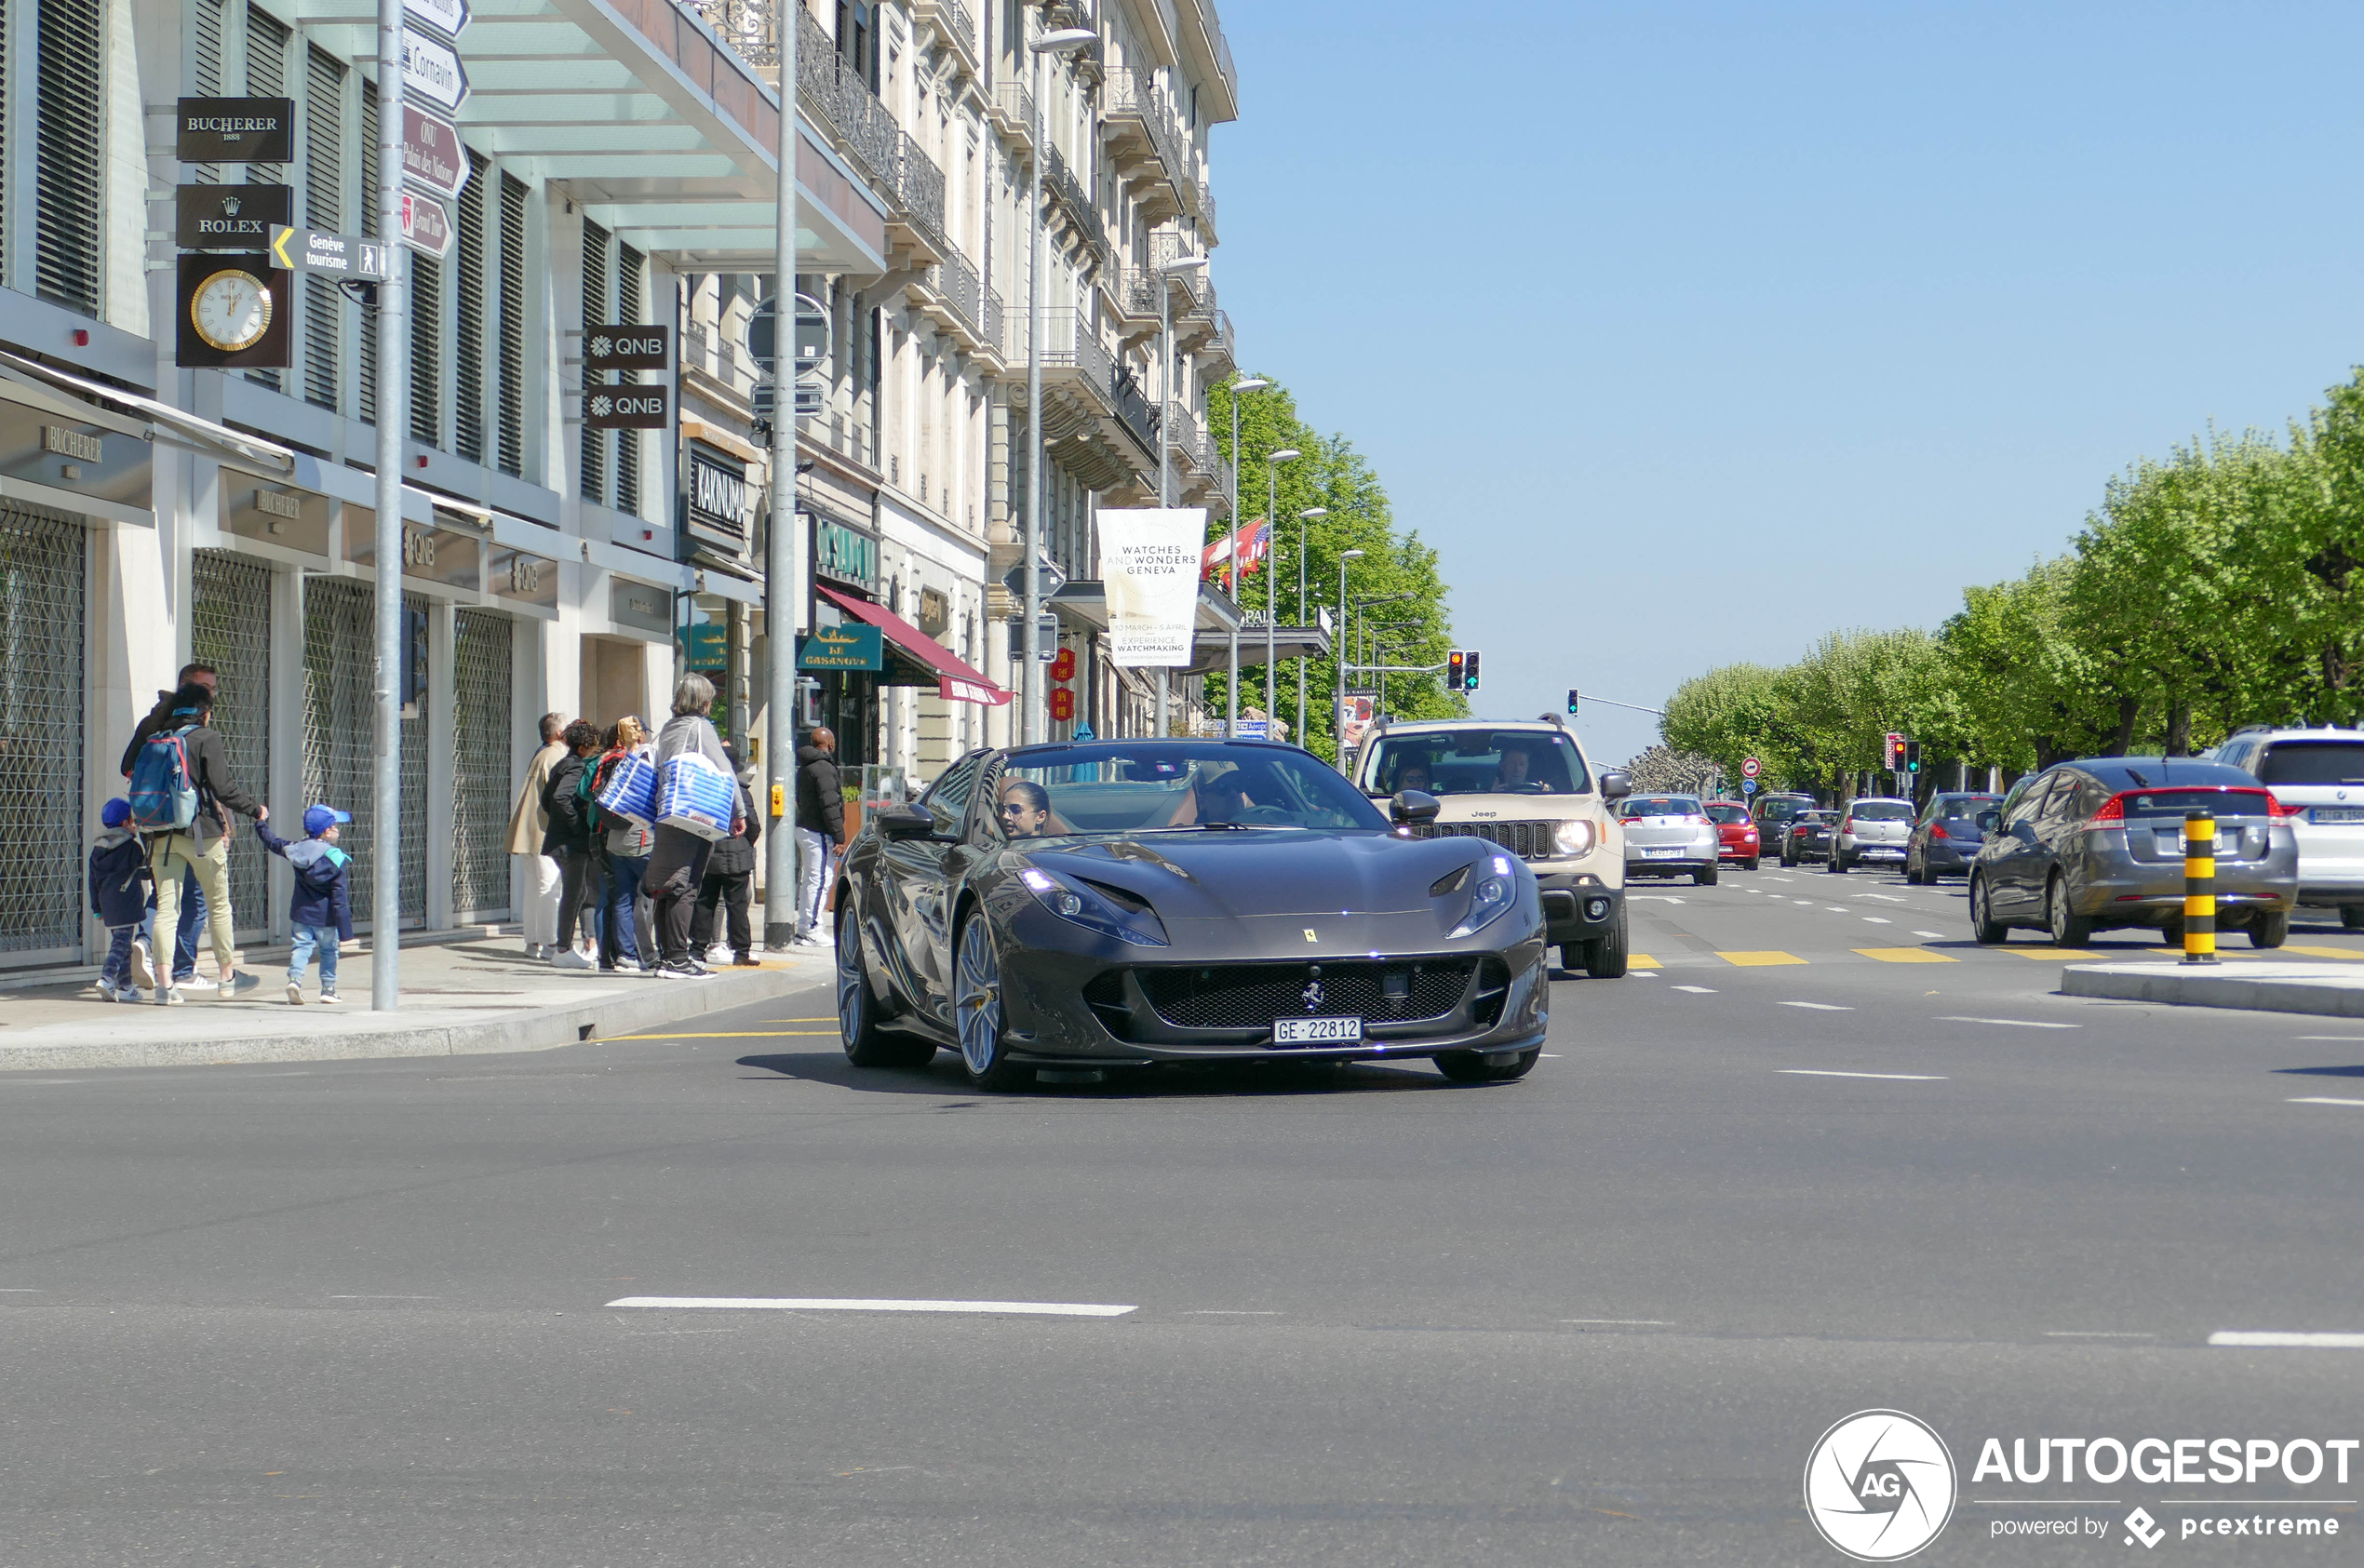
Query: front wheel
1913	876
1604	955
2269	930
1704	879
1985	928
977	1002
1469	1066
2069	929
867	1045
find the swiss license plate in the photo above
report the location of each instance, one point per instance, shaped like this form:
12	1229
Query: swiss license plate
1316	1031
2334	813
1662	854
1877	850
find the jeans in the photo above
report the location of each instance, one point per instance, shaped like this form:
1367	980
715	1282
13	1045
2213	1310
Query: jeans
192	912
306	939
117	971
621	936
174	858
814	853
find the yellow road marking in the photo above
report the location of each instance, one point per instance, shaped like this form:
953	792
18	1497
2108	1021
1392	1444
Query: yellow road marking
796	1020
1907	956
2354	955
728	1034
1640	960
1759	960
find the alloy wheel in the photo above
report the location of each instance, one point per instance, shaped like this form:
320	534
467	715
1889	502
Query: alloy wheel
850	981
978	1000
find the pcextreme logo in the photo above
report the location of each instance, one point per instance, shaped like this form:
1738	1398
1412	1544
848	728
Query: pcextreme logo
1879	1486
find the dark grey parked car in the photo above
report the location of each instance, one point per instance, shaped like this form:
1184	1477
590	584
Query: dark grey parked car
1946	837
2087	845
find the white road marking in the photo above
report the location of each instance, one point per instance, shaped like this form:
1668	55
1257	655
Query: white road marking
1642	973
1550	1056
1838	909
1695	990
1818	1007
1624	1323
2247	1339
2094	1333
2343	1040
1931	935
2013	1022
1807	901
857	1304
1886	898
386	1298
1226	1312
1662	898
1877	920
2324	1100
1825	1072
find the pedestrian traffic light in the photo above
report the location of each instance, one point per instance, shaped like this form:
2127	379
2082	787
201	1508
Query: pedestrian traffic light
1470	671
1892	745
1572	695
1454	671
1911	756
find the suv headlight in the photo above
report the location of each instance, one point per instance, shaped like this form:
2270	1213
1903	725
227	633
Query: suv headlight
1574	838
1497	890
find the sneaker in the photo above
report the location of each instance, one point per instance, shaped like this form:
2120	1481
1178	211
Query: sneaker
295	994
194	983
569	959
107	991
242	981
330	998
683	969
170	996
129	994
535	950
746	960
142	972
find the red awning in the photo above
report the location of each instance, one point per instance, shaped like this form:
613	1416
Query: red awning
954	681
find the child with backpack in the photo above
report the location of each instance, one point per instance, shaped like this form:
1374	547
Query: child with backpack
321	912
121	894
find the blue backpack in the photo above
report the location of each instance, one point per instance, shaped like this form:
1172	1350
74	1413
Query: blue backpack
164	798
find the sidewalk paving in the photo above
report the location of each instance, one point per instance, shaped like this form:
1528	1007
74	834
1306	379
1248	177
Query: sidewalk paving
458	998
2333	990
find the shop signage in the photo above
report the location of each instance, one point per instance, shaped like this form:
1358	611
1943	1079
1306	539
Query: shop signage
229	216
625	407
429	554
432	69
1150	559
86	459
515	574
936	612
298	519
232	313
843	556
432	158
842	648
236	130
627	347
708	644
426	225
643	606
721	502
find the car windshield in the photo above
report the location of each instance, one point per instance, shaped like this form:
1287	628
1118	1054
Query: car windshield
1151	786
1660	806
2313	762
1478	762
1782	811
1880	811
1732	815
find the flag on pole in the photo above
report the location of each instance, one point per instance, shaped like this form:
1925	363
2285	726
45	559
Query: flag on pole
1256	541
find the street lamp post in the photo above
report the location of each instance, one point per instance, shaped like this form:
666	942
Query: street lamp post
784	591
1164	271
1338	734
1272	509
1030	643
1231	692
1302	518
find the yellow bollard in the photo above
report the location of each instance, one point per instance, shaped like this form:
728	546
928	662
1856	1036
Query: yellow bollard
2199	889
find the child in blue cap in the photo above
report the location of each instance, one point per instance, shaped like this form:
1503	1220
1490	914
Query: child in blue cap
321	911
123	895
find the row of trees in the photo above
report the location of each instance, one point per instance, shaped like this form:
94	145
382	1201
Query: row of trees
2218	588
1411	630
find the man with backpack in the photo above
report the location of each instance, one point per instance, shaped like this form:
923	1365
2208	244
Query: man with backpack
179	783
192	906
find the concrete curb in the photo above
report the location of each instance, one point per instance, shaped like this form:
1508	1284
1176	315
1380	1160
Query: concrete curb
2322	990
446	1032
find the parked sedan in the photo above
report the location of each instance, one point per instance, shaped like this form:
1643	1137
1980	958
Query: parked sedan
1946	836
1870	832
1806	836
1669	836
2087	845
1736	834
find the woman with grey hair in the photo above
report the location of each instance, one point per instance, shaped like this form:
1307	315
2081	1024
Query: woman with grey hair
677	857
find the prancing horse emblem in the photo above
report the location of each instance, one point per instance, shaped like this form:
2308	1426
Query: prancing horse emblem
1309	936
1315	997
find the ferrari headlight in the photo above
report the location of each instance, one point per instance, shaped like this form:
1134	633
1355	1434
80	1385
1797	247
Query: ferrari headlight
1130	919
1495	891
1572	838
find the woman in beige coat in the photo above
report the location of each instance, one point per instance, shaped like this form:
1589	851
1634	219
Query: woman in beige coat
528	822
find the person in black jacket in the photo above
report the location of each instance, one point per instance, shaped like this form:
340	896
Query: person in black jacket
568	840
203	848
193	906
820	826
729	876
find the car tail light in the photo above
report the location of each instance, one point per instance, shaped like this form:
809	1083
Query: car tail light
2110	818
1937	830
2276	811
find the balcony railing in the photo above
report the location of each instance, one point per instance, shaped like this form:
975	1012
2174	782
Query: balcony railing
954	17
1070	192
956	282
916	187
1070	344
1015	100
1134	95
747	25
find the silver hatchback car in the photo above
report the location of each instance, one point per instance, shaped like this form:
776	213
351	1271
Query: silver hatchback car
1870	832
1669	836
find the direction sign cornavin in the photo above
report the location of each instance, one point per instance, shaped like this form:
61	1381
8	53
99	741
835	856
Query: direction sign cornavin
432	158
304	250
433	68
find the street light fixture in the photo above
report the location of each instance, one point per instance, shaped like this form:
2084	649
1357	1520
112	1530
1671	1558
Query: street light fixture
1030	688
1165	270
1337	734
1302	518
1232	698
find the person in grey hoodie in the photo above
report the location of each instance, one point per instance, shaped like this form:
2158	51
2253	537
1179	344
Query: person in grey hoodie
677	857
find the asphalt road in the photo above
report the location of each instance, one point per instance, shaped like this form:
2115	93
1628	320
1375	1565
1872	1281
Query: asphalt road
356	1313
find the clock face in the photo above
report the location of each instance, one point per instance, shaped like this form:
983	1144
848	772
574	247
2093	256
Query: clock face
231	309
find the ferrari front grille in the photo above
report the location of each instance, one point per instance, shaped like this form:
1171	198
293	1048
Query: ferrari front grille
1528	840
1252	996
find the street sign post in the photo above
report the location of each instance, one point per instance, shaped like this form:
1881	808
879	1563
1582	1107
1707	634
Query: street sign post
1048	579
432	158
432	69
447	17
426	225
1751	767
1748	787
308	250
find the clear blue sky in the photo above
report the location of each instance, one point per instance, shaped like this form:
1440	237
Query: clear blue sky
1689	332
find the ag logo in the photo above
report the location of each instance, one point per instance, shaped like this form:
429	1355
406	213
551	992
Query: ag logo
1879	1486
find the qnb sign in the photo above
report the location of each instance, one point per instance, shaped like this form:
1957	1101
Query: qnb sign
625	407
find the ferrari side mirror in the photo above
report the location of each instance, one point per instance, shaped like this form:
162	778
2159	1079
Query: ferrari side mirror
1616	785
904	822
1412	806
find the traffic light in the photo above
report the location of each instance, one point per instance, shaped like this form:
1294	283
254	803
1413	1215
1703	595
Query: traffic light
1572	695
1912	756
1453	670
1470	671
1893	743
